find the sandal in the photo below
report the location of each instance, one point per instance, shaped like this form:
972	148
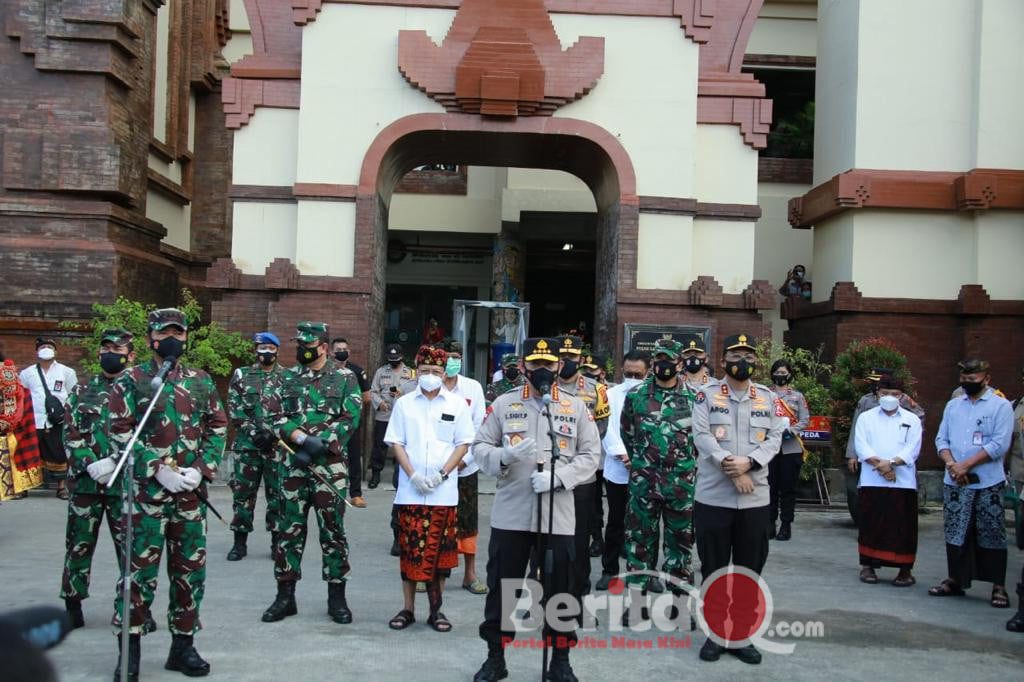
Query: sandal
439	622
475	587
62	493
1000	599
904	581
402	620
947	588
867	575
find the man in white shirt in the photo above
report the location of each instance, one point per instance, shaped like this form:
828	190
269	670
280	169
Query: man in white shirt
57	379
472	392
887	444
430	431
635	365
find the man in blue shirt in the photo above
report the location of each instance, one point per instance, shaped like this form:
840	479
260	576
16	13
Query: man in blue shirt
973	438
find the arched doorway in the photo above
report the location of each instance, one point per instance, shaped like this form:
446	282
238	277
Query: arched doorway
583	149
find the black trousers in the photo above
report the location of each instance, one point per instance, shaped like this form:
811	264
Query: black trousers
615	531
509	555
597	515
355	464
583	495
736	536
380	449
783	476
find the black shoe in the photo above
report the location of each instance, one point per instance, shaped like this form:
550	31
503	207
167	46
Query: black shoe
74	609
284	603
134	656
1016	624
655	585
711	651
185	659
150	625
785	532
602	583
395	549
596	548
561	671
747	654
337	607
374	480
238	550
493	669
772	532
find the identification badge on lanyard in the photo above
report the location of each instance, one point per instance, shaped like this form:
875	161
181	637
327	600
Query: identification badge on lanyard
978	439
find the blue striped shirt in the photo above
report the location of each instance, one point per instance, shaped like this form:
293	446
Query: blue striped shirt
991	417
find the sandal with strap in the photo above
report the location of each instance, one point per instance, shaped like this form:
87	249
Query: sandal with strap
867	575
439	622
947	588
402	620
1000	599
62	493
904	581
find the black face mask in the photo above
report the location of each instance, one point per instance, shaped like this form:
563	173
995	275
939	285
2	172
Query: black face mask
569	369
665	369
113	363
266	357
693	364
169	347
541	378
972	388
306	355
741	370
395	363
341	355
782	379
511	373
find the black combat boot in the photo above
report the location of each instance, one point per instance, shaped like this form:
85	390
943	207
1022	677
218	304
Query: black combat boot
748	654
493	668
74	608
284	603
785	532
337	607
1016	624
239	549
374	479
711	651
134	656
185	659
560	670
149	625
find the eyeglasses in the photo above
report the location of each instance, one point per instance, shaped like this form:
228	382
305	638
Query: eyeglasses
632	375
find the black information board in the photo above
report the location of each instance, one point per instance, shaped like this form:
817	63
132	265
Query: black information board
642	336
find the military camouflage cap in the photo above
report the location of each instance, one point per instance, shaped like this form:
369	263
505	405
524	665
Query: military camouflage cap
167	317
310	332
118	335
509	359
669	347
973	366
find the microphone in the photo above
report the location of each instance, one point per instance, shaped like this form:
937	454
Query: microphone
43	627
158	380
546	398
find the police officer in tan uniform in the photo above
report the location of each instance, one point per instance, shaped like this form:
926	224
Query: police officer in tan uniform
737	433
696	374
512	442
384	391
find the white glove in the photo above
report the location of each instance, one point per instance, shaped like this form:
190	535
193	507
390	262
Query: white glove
192	477
171	480
512	453
101	470
435	480
420	483
541	481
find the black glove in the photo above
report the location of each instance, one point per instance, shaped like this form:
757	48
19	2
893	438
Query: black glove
264	439
312	448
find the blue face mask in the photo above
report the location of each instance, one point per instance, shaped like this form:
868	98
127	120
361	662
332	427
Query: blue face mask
453	366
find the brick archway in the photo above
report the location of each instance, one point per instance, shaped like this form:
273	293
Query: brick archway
578	147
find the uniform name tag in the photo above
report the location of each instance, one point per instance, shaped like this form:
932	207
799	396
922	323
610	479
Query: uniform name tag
447	417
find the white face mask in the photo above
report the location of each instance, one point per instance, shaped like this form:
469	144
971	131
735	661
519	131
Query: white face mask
630	383
429	382
889	403
46	354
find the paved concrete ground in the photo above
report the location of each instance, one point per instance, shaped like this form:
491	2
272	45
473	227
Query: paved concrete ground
878	631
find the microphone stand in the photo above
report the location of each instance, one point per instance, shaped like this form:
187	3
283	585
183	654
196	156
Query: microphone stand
127	462
549	553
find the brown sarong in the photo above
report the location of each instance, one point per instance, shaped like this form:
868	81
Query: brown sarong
427	538
887	519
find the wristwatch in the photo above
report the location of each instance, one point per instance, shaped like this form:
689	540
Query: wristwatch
444	476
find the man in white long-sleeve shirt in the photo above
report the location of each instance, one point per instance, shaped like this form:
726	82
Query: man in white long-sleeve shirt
887	444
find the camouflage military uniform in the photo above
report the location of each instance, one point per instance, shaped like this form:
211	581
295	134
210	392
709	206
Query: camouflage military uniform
188	424
504	385
87	438
655	428
254	403
325	403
